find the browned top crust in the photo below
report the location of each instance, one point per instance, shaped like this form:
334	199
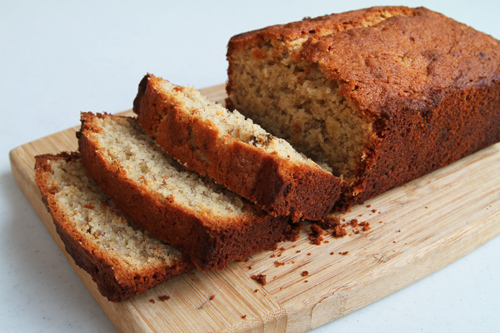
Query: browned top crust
394	53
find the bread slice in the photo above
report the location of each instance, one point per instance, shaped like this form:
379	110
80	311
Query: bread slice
383	95
233	151
209	223
122	259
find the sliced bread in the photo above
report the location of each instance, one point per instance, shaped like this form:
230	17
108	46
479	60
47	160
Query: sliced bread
122	259
236	153
209	223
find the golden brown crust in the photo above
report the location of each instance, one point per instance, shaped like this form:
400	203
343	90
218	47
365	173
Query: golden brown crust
278	185
114	280
209	243
428	84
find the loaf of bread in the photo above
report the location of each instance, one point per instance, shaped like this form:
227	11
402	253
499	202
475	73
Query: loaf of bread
202	219
382	95
236	153
122	259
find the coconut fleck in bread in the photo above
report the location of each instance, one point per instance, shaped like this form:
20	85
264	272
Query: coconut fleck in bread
235	152
122	259
382	95
209	223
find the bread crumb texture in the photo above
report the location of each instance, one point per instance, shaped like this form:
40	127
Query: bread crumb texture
125	143
91	214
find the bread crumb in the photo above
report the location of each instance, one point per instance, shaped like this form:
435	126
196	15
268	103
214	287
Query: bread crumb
164	298
211	298
304	273
278	264
244	317
260	278
152	301
365	225
344	253
316	235
339	232
328	223
332	253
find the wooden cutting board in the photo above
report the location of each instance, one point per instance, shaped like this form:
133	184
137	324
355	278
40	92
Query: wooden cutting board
415	230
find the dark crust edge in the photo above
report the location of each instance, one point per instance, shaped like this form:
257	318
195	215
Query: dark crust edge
113	280
210	244
276	184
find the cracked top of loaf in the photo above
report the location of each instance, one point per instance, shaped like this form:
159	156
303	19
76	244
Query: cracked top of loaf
385	58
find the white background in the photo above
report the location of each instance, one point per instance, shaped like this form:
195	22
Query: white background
58	58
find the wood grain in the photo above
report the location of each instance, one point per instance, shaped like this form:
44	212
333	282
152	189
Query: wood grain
415	230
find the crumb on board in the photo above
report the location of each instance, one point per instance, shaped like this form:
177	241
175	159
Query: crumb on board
260	278
304	273
152	301
278	264
316	234
365	225
339	231
164	298
211	298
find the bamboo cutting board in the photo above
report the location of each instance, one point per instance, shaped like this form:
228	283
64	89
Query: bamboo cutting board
415	230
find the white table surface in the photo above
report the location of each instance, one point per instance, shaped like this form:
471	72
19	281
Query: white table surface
58	58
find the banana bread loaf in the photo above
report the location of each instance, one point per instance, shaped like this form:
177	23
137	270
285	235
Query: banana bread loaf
382	95
233	151
209	223
122	259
